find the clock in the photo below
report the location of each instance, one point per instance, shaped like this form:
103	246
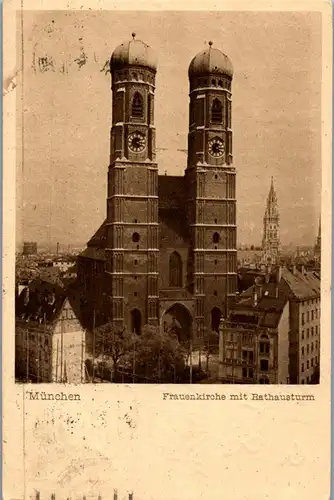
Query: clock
137	142
216	147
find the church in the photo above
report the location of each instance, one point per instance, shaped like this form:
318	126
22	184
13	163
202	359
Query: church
166	252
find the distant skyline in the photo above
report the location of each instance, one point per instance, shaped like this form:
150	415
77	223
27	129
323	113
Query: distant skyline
61	187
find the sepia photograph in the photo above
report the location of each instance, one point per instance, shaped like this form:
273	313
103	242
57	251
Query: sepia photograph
168	183
166	250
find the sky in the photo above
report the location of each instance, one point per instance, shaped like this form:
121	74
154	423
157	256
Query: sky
276	116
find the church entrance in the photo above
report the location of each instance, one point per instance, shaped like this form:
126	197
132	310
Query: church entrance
177	321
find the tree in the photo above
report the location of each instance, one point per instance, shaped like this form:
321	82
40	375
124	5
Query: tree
159	356
115	344
211	345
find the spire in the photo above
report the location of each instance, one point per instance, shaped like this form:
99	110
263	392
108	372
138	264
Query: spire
272	192
271	240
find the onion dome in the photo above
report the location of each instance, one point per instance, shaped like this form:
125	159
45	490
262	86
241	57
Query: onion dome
133	53
210	61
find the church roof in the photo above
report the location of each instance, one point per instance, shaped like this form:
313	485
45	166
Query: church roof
99	238
171	191
94	253
210	61
173	228
172	216
133	53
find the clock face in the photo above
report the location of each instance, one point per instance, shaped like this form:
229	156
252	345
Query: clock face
137	142
216	147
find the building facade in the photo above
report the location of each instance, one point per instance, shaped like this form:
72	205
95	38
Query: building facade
254	341
317	246
50	342
305	306
282	310
29	248
271	234
167	249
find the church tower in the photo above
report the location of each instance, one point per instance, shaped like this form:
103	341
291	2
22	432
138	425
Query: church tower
211	188
271	236
132	202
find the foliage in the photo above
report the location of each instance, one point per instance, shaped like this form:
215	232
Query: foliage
159	355
211	342
113	343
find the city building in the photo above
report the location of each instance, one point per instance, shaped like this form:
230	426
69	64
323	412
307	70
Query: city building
250	258
29	248
305	305
283	309
254	340
49	338
271	235
317	247
167	248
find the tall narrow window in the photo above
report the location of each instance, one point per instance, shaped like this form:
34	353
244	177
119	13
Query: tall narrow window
215	238
136	321
149	108
137	106
175	270
216	111
215	319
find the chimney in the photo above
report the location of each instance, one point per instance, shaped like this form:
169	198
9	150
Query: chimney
303	270
57	247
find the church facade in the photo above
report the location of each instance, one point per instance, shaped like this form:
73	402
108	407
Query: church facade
166	252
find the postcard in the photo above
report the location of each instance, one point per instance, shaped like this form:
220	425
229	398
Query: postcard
167	250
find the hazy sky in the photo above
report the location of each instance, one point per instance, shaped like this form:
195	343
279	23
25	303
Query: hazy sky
67	114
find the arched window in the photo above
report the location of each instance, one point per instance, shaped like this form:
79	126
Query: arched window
175	270
135	237
137	106
136	321
216	111
215	319
215	238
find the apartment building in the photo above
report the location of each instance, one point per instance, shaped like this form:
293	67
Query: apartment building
254	340
49	337
304	311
